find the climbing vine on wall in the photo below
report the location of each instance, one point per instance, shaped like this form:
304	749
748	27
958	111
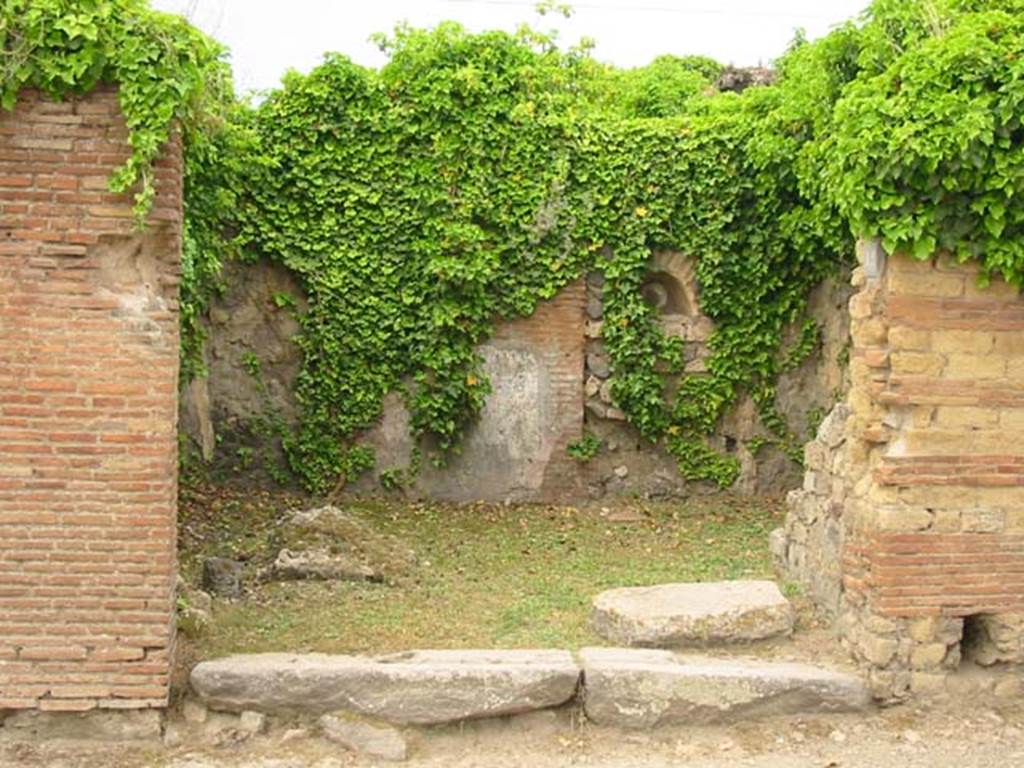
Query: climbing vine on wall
928	150
167	72
472	177
475	175
169	77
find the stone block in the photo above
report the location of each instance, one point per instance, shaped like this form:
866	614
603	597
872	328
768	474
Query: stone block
862	306
982	521
995	290
95	725
818	483
925	283
417	687
950	341
252	722
1012	418
222	577
970	417
816	456
630	688
869	332
1014	520
879	625
953	442
832	431
879	651
916	363
700	330
930	656
946	521
972	366
682	614
1009	344
871	257
670	615
598	365
320	564
903	339
903	519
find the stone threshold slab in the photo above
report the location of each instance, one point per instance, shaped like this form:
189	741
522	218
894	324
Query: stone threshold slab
413	688
638	688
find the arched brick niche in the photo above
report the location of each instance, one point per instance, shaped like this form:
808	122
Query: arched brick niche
88	409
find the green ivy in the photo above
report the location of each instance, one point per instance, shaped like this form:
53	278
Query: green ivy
584	449
928	148
475	175
166	70
170	77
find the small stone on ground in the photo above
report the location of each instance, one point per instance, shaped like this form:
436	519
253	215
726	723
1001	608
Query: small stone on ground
319	564
222	577
356	735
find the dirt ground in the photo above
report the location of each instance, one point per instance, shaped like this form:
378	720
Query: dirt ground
982	736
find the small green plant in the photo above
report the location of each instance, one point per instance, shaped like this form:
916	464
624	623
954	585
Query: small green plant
755	444
586	448
245	456
843	355
792	589
284	300
253	366
393	479
815	416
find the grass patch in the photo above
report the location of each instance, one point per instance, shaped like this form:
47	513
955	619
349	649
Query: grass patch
485	576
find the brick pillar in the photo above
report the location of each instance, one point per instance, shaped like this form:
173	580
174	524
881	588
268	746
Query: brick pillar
926	475
88	409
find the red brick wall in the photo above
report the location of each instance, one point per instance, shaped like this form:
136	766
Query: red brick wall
88	406
555	332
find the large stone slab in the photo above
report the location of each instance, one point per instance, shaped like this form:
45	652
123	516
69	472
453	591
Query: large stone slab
418	687
671	615
633	688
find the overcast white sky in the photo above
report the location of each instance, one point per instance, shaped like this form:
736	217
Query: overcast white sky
268	37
